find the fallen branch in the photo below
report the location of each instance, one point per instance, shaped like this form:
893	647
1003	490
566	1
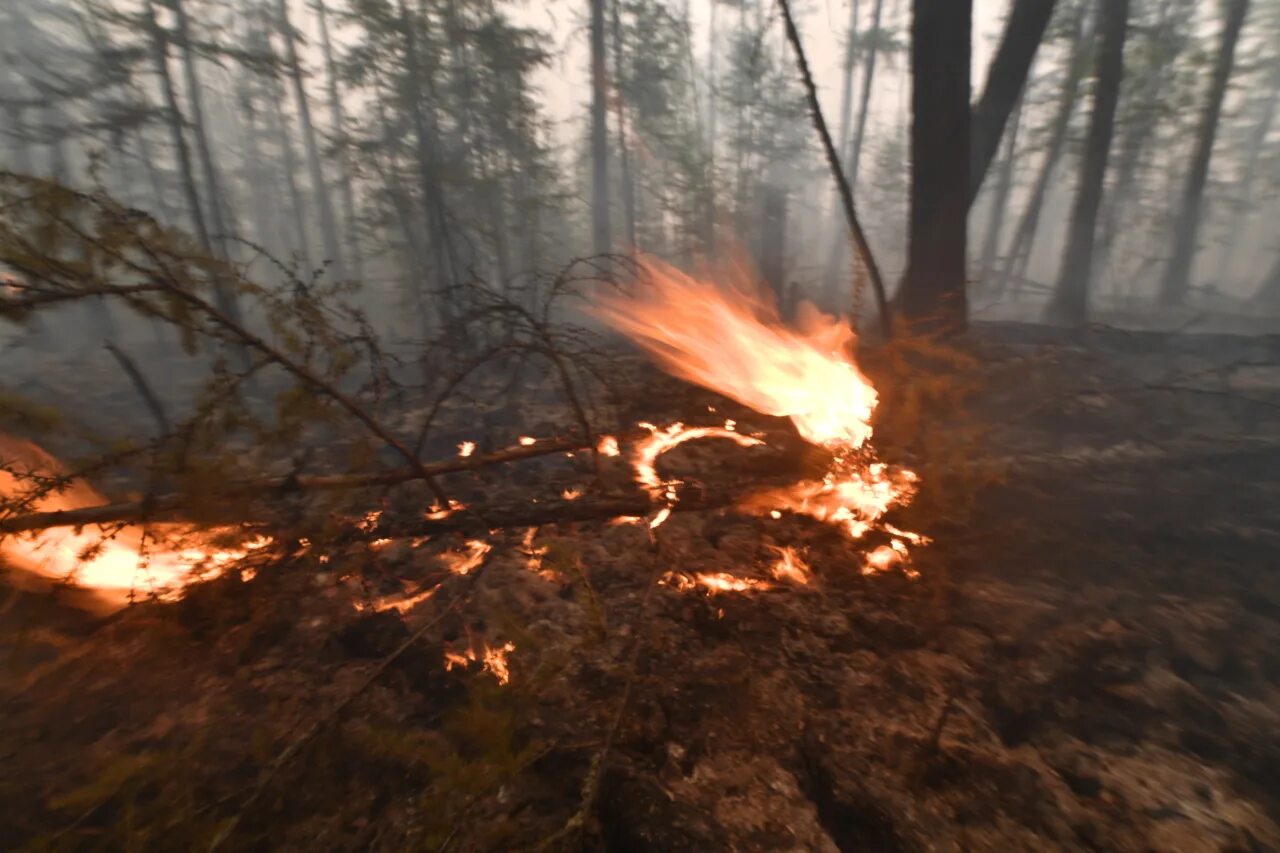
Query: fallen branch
163	505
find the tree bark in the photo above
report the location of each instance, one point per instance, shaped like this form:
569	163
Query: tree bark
624	154
319	190
601	238
1006	79
1177	277
1070	302
337	118
1019	253
933	294
838	239
1000	200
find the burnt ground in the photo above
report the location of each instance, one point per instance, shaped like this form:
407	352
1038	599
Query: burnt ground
1090	658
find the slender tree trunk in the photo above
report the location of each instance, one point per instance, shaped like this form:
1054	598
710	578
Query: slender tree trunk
1000	199
337	118
1269	292
319	190
1186	232
1070	302
838	238
152	168
601	239
174	118
1006	79
713	109
1133	144
284	137
624	152
1019	253
1254	146
427	149
199	128
933	290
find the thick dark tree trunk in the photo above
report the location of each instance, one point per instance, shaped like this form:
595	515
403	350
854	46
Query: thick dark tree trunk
337	117
1186	232
601	238
773	242
1006	79
933	295
319	190
1070	302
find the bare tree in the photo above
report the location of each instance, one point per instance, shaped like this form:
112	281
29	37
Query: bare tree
1186	231
1070	300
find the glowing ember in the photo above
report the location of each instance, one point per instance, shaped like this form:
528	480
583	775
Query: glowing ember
571	494
120	563
526	440
807	375
494	660
608	446
533	555
466	448
461	563
725	582
437	512
663	515
659	441
790	567
400	603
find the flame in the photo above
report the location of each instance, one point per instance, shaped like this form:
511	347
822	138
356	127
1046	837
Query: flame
725	582
659	441
790	566
493	659
526	440
571	493
466	448
732	341
400	603
735	344
608	446
461	563
118	563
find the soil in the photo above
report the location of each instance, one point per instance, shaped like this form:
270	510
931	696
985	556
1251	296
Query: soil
1088	659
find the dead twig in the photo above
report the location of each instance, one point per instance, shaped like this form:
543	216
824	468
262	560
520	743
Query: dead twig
145	391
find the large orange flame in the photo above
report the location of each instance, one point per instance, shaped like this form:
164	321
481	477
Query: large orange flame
732	341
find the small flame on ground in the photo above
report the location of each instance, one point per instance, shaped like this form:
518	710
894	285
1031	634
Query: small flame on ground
493	659
790	566
527	440
608	446
466	448
400	603
571	494
725	582
461	563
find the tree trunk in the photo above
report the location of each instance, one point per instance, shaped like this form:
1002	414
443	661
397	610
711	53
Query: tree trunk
284	137
174	118
1070	302
624	153
319	190
208	166
838	239
1019	253
601	239
1177	277
1000	200
1006	79
1248	181
933	290
337	118
1269	292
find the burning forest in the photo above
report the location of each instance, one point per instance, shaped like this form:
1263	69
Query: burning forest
403	449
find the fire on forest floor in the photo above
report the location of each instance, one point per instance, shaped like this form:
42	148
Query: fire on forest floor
1087	658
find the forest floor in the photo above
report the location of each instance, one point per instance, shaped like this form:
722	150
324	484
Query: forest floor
1088	659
